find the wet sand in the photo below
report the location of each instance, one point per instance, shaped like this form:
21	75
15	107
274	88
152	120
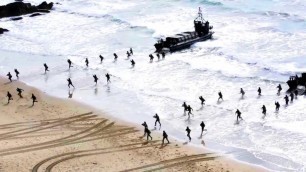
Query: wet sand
63	135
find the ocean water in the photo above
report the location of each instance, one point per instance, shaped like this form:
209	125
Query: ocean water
256	44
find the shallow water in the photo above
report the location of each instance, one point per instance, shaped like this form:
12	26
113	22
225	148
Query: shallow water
256	44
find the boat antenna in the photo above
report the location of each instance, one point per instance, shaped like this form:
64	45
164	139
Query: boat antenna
200	15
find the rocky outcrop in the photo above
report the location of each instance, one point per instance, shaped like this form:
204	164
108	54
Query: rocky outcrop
3	30
20	8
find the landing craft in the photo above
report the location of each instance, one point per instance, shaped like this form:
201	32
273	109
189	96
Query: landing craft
294	82
186	39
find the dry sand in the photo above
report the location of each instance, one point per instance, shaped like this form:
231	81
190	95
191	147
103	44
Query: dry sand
62	135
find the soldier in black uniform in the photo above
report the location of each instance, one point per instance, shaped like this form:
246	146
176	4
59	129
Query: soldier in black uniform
202	100
133	63
17	73
70	83
259	91
69	63
277	106
9	76
242	92
163	55
9	97
165	136
291	96
238	114
101	58
202	127
115	56
108	78
34	99
189	109
86	62
128	54
286	99
131	51
158	56
145	126
220	96
264	110
19	90
46	67
95	79
188	133
148	132
279	89
185	107
151	57
157	119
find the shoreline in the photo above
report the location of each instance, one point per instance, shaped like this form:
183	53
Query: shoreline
179	149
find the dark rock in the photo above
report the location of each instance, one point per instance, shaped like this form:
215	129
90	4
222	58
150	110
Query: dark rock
20	8
45	5
3	30
35	14
16	18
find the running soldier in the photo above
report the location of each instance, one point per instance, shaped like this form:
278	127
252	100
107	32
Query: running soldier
86	62
95	79
9	76
70	83
17	73
202	127
238	115
286	99
188	133
277	106
69	63
202	100
46	67
9	97
242	92
189	109
157	119
108	78
148	132
185	107
259	91
291	96
264	110
19	90
101	58
115	56
34	99
165	136
220	96
133	63
145	126
279	89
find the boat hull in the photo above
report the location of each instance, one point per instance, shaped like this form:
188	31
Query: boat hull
187	44
182	45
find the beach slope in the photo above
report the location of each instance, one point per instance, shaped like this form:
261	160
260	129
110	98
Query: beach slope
62	135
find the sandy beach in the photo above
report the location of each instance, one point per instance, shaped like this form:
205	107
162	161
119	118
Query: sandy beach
62	135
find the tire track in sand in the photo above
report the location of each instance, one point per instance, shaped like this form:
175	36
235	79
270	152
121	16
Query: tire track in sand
38	165
60	121
175	160
51	166
56	142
